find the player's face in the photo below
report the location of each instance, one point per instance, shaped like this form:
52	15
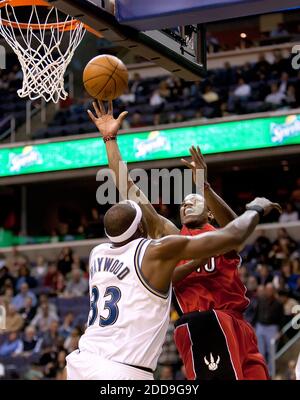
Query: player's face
193	211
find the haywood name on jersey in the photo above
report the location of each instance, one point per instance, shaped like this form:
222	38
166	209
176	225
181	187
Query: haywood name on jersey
109	264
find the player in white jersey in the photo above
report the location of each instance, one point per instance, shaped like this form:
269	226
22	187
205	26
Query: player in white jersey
130	284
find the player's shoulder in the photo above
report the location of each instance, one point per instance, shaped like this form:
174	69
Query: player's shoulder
99	247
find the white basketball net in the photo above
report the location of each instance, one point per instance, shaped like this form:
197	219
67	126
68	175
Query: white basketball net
40	52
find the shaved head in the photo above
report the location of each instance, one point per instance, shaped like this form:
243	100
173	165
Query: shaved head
119	218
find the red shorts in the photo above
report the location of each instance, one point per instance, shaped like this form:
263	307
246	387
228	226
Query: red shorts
219	345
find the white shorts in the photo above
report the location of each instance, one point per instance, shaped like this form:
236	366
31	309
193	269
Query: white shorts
83	365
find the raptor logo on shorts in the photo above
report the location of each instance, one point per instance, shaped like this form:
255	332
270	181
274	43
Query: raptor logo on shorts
212	364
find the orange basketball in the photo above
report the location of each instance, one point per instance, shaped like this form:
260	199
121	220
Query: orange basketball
105	77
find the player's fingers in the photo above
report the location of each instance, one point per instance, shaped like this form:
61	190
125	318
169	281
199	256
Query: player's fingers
110	107
186	163
277	207
195	155
101	106
91	115
122	116
199	153
191	150
96	108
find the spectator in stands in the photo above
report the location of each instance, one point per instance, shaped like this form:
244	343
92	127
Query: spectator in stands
24	277
210	96
127	97
283	83
5	277
71	342
156	119
291	96
78	262
269	319
276	97
296	291
10	345
65	261
262	66
51	338
289	277
277	254
264	275
280	64
40	269
43	319
166	373
77	286
213	44
60	365
28	311
44	299
288	244
52	280
238	99
14	321
136	86
169	355
136	120
289	214
20	299
156	99
260	247
7	296
243	90
291	371
164	90
180	375
295	196
67	326
288	305
95	228
29	344
279	31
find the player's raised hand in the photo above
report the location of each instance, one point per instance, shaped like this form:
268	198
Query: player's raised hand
196	163
266	204
104	120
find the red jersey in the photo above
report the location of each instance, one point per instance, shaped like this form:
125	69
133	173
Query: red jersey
214	286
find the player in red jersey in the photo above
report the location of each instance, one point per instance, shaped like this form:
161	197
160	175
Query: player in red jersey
213	339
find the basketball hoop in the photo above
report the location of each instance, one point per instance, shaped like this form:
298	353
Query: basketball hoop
39	45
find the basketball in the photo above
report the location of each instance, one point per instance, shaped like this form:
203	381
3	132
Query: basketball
105	77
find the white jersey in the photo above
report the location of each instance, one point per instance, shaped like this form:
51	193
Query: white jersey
128	319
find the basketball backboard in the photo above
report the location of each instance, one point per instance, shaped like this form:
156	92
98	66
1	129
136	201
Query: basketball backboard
170	33
181	51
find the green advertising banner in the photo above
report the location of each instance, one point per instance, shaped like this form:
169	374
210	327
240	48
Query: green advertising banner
147	146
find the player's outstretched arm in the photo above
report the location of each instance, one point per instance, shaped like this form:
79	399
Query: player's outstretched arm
220	209
182	271
163	255
108	126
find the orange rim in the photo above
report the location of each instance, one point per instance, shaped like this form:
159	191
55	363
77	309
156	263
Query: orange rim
62	26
